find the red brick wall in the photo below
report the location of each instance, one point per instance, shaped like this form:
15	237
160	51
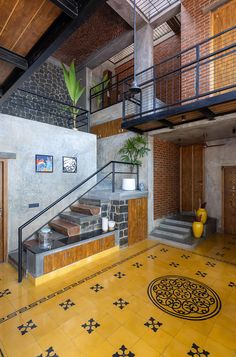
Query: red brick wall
166	157
168	89
195	27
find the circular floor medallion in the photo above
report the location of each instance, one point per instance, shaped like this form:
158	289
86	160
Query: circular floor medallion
184	297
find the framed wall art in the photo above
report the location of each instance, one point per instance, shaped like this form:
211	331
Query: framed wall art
44	163
69	164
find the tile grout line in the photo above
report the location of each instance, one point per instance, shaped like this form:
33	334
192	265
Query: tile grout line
72	285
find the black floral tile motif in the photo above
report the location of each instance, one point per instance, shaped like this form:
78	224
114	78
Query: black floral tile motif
121	303
173	264
164	250
67	304
211	264
232	285
5	292
97	287
25	328
220	254
196	351
226	248
123	352
184	256
119	275
153	324
91	325
152	256
137	265
200	273
49	353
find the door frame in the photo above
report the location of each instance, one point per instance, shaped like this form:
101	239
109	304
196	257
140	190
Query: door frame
5	208
223	195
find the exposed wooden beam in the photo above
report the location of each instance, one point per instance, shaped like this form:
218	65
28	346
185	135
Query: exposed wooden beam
54	37
70	7
13	58
174	24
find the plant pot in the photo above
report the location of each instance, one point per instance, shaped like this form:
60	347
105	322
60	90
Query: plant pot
197	229
128	184
203	213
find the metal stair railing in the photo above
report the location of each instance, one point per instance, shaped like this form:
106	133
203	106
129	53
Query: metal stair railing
113	173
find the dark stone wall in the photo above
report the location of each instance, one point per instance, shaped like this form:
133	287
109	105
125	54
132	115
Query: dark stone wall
48	81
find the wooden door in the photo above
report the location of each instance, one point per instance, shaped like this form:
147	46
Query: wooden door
229	199
224	18
192	177
137	220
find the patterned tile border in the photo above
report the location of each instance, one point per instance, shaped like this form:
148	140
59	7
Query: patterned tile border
73	285
107	268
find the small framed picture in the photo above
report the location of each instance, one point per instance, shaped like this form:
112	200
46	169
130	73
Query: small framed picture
44	163
69	164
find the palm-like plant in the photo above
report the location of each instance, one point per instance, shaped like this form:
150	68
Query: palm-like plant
74	87
134	149
98	88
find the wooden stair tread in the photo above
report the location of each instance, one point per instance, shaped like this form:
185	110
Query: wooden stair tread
65	227
86	209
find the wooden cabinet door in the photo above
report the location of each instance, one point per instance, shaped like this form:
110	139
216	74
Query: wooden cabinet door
229	201
137	220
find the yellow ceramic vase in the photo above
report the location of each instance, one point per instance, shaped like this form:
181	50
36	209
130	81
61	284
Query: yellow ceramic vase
203	213
197	229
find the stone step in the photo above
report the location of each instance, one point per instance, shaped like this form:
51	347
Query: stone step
65	227
179	223
174	228
79	218
86	209
91	201
171	235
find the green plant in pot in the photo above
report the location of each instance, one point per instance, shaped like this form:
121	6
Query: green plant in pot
98	88
74	88
133	151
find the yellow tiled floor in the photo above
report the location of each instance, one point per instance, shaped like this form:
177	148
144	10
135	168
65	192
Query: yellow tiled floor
47	329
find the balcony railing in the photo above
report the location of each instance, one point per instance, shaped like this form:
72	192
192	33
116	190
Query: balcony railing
39	107
203	71
107	93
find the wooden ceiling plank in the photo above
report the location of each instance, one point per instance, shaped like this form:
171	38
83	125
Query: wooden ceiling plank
39	24
19	19
27	26
53	38
6	11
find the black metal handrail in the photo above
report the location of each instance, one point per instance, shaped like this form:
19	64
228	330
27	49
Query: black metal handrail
113	172
200	64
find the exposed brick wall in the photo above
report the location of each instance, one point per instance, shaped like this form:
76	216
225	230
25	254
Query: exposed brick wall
168	89
166	157
195	27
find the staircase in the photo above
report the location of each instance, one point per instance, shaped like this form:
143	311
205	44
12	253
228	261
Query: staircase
178	229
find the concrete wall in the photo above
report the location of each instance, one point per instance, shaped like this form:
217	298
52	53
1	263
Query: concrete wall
107	150
27	138
215	158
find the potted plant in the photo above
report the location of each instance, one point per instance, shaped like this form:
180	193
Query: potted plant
98	88
75	89
202	212
133	150
197	227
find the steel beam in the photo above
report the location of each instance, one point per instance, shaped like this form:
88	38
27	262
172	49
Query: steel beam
69	7
52	39
13	58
